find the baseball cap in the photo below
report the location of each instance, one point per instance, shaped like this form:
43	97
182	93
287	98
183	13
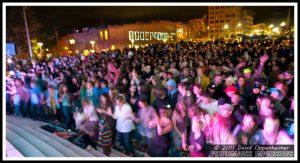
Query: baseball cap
275	90
212	86
247	70
257	86
262	81
231	89
230	78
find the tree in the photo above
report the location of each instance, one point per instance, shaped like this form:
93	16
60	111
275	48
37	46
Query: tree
15	27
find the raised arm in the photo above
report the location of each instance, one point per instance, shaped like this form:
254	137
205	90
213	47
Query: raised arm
260	69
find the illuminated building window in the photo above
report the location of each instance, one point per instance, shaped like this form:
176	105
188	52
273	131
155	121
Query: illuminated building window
106	35
142	36
151	35
101	35
136	35
131	35
147	36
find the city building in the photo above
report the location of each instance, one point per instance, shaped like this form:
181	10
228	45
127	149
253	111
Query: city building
198	28
126	35
224	21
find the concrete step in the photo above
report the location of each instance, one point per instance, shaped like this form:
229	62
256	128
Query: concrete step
36	139
27	149
11	151
66	147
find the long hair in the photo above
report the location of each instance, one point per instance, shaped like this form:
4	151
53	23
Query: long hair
108	101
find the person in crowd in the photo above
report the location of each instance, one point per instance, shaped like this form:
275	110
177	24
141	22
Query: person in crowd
179	133
132	98
160	93
106	111
35	101
52	102
269	134
91	93
105	136
145	115
242	87
185	94
125	124
218	81
239	107
202	78
197	139
208	104
172	93
248	127
161	143
65	99
289	80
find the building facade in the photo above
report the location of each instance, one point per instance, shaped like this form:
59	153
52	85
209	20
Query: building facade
127	35
223	21
198	29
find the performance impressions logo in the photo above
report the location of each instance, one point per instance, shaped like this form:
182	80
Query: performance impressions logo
252	151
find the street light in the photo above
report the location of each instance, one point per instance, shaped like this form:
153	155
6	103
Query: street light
271	26
239	25
282	24
72	41
92	42
225	27
40	45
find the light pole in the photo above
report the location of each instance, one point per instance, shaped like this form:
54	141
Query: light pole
92	42
40	45
225	27
27	33
239	27
283	25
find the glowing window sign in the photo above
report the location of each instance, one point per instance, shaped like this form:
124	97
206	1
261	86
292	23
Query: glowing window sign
148	36
142	36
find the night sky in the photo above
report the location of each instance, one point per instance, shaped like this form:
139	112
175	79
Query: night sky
68	18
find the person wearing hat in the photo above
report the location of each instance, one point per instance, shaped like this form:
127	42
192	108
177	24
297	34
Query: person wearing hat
211	88
251	99
262	82
230	90
172	93
229	81
218	81
104	136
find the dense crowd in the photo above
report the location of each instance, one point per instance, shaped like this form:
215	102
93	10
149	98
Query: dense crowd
172	98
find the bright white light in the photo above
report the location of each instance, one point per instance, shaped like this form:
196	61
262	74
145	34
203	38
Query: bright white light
271	26
40	44
239	24
11	73
282	24
276	29
225	26
92	42
9	61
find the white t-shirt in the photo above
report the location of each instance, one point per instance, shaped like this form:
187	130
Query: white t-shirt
124	117
211	108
